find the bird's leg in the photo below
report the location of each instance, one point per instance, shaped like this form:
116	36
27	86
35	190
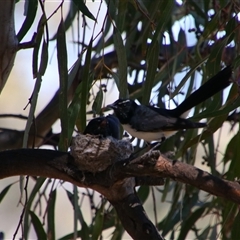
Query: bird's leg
155	145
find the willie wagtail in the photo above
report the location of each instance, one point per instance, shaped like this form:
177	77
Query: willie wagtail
155	124
104	126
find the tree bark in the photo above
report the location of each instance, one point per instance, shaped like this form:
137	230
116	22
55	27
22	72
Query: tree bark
117	182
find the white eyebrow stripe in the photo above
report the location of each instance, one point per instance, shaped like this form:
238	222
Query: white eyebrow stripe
125	101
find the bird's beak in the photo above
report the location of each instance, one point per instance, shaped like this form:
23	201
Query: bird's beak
112	106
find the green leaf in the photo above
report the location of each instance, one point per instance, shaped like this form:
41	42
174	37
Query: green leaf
174	215
68	22
187	76
233	101
73	72
4	191
73	111
40	30
213	126
189	222
198	10
215	57
228	211
51	215
219	117
211	26
83	8
122	64
84	234
85	87
71	236
34	192
118	231
153	52
143	193
234	169
235	230
205	232
38	227
63	82
98	223
97	104
44	58
121	15
152	62
32	6
230	149
236	62
231	28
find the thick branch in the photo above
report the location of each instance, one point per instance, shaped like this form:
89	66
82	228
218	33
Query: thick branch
34	162
116	181
134	218
54	164
156	165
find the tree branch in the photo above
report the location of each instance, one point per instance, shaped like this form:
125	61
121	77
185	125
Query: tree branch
152	165
117	179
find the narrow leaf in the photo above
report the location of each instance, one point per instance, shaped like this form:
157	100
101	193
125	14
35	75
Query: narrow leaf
143	193
85	229
34	192
4	192
38	227
97	104
122	63
32	6
63	82
83	8
68	22
152	62
189	222
71	236
44	58
73	111
51	215
215	57
36	49
85	86
98	223
211	26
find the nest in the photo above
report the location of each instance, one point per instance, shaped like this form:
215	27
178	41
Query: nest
95	154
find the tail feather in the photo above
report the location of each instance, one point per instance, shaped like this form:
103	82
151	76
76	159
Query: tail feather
188	124
207	90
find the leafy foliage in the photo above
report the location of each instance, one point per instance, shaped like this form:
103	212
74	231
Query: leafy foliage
138	42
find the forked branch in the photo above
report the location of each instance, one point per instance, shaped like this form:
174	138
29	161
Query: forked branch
106	166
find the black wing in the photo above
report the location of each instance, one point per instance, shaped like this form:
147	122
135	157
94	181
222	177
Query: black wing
150	119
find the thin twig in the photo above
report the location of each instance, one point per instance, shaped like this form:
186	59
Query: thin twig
23	211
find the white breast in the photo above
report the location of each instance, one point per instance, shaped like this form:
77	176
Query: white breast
148	136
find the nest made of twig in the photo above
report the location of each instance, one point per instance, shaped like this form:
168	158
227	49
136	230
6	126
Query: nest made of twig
95	153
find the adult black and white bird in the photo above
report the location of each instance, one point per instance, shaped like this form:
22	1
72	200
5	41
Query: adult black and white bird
155	124
104	126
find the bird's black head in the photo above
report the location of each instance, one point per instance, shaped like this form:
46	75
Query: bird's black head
96	126
124	109
104	126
